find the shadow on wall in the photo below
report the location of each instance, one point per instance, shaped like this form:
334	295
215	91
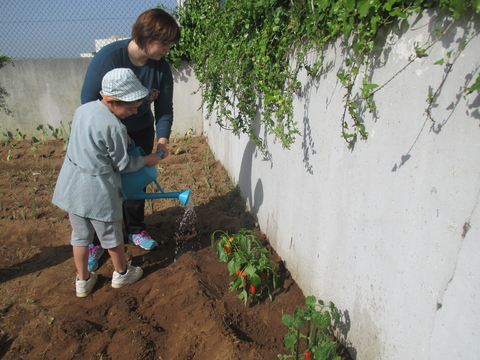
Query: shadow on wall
183	73
254	200
474	107
344	328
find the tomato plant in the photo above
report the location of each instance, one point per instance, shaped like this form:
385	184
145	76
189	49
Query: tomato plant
249	262
314	323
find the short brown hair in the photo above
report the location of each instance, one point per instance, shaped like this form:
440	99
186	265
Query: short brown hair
155	24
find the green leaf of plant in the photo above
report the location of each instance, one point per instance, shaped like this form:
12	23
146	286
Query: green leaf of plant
221	254
299	323
310	300
236	284
363	7
325	351
255	280
476	5
368	87
289	341
458	7
475	86
398	12
420	52
250	270
287	320
232	267
349	5
388	5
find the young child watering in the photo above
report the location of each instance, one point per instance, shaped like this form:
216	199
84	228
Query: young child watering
89	184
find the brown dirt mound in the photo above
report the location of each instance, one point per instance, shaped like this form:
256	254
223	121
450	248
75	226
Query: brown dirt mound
180	309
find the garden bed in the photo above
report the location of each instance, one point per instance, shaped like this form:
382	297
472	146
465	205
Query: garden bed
180	309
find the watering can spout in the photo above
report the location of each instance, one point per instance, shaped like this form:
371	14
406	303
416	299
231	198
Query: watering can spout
182	196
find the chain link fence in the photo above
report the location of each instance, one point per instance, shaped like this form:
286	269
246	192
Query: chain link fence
64	29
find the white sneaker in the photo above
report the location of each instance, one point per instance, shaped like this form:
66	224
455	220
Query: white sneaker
85	287
133	274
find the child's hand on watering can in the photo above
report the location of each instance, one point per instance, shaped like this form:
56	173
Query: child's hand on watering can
151	159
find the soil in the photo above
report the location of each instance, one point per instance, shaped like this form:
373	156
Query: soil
181	308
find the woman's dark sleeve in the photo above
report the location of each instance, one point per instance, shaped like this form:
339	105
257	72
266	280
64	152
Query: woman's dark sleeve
163	105
92	84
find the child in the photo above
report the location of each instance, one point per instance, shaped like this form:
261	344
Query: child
89	183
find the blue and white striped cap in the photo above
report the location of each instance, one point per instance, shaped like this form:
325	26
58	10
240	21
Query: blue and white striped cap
122	84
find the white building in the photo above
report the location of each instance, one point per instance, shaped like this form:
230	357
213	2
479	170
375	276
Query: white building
99	43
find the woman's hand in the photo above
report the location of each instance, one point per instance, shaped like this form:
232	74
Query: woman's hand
162	146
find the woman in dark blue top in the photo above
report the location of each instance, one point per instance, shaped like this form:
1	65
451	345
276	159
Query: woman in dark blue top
152	35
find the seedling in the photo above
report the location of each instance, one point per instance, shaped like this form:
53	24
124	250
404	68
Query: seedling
34	209
44	131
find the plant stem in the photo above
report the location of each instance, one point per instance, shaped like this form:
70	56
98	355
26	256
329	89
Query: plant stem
297	343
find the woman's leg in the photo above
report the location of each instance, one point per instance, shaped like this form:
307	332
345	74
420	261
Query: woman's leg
134	210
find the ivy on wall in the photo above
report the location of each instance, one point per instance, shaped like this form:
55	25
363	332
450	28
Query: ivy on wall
4	60
248	53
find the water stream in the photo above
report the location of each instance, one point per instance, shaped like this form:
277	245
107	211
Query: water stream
186	231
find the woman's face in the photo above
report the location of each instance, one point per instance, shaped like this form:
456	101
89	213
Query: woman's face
156	49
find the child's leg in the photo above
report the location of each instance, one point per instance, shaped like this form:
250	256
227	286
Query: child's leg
82	235
80	256
111	238
118	258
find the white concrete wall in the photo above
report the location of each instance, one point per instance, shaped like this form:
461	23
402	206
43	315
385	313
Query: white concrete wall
381	230
47	91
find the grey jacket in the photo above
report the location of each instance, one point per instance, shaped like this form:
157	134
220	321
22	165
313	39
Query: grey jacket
89	183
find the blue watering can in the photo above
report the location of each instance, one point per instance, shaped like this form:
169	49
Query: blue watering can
133	183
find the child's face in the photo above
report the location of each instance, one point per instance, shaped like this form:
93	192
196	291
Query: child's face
123	110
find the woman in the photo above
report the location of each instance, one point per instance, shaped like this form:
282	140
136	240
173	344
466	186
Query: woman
152	36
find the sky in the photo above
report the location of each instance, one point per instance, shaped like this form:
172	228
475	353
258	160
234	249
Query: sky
65	28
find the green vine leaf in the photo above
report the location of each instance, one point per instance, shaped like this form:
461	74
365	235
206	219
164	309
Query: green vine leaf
420	52
364	7
476	5
247	55
398	12
475	86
